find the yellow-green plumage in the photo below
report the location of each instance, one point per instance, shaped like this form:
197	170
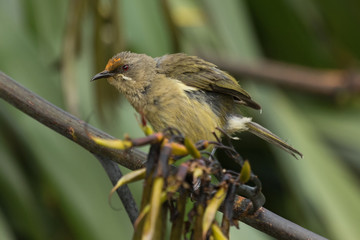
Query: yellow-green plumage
196	72
185	92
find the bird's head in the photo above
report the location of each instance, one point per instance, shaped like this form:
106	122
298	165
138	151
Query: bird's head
129	72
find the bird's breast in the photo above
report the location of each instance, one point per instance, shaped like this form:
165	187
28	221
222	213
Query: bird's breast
194	112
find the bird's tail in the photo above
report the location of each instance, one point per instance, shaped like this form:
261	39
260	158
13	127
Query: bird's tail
239	123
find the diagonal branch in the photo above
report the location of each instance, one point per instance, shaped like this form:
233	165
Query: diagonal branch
74	129
77	131
65	123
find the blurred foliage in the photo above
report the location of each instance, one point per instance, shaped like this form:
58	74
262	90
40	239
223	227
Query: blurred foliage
53	189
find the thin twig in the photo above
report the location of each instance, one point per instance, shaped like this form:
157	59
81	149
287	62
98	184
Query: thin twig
114	173
319	81
74	129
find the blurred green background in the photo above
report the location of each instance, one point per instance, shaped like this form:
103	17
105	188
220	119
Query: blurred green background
51	188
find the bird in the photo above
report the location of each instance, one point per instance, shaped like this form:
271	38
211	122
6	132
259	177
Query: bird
187	93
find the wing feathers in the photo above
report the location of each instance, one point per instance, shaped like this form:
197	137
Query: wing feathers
196	72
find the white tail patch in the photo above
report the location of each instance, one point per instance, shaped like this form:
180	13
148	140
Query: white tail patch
237	124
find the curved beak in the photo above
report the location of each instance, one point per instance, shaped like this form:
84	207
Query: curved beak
103	74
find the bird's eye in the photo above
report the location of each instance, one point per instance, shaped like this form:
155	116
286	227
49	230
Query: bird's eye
125	67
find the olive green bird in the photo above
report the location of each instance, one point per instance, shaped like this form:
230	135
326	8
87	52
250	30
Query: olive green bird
185	92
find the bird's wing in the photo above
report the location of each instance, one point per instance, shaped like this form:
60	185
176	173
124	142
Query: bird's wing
198	73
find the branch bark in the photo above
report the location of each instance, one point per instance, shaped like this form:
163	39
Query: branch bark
325	82
75	129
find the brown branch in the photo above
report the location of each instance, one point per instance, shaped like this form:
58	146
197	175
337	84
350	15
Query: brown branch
75	130
65	123
270	223
327	82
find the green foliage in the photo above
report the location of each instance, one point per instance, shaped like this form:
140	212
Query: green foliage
52	188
